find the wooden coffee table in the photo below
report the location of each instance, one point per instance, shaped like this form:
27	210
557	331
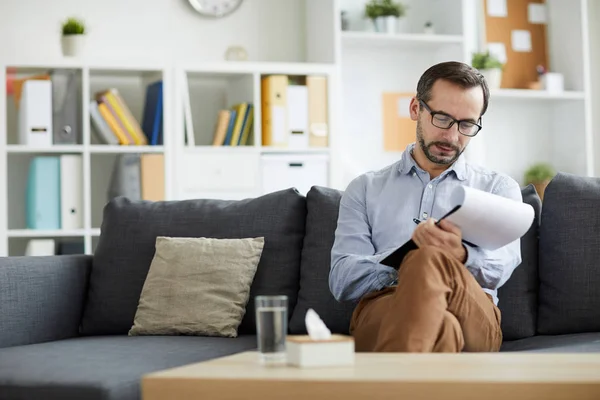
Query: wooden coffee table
505	376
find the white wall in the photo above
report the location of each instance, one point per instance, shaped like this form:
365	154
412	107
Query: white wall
152	30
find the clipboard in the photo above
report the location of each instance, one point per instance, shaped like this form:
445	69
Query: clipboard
395	258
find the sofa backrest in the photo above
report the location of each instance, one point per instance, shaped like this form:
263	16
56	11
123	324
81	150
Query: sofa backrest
518	298
127	246
570	256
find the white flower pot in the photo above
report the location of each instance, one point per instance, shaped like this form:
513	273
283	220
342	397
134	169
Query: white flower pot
493	77
72	45
387	24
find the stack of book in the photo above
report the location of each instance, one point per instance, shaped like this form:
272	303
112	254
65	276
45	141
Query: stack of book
115	124
234	125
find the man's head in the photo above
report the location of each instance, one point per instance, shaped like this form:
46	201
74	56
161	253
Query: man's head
446	93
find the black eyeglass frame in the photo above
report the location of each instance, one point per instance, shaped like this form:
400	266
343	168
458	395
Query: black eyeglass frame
454	121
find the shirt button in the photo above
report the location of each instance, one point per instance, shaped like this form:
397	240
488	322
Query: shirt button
424	215
430	186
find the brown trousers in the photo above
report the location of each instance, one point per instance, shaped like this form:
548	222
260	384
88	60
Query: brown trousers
437	306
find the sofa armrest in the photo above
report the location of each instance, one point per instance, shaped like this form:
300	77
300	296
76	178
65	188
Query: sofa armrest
42	297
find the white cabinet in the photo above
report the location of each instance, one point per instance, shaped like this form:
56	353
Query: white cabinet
206	175
302	171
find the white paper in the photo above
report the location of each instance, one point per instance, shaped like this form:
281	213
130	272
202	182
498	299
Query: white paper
521	40
488	220
536	13
404	107
498	50
497	8
316	328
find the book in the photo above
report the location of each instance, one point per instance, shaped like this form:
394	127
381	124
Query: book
486	220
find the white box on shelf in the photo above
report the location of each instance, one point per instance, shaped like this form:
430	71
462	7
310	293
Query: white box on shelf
35	113
297	96
553	82
302	171
304	352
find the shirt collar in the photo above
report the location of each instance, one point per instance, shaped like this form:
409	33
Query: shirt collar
408	164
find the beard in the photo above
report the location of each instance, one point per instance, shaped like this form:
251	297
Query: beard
441	160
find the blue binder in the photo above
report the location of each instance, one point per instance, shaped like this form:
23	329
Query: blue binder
43	193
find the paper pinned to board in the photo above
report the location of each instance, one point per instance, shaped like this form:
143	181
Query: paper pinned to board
521	40
498	50
536	13
488	220
404	107
497	8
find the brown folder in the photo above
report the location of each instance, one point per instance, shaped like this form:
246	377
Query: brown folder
398	129
274	110
318	126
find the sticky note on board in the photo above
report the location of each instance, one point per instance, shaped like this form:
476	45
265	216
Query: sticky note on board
497	8
498	50
536	13
521	40
404	107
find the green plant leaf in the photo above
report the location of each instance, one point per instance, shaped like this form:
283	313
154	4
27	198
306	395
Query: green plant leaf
539	172
485	61
384	8
73	26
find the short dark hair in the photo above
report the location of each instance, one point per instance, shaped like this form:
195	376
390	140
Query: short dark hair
456	72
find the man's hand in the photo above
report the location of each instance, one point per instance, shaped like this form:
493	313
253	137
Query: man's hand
446	236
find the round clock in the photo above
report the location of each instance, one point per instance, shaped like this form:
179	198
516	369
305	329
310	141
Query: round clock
215	8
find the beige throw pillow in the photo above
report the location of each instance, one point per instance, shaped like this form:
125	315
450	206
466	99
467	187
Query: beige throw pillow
197	286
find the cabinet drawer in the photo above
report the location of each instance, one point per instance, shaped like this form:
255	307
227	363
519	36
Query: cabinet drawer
219	172
301	171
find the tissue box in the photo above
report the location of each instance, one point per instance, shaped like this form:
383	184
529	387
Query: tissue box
302	351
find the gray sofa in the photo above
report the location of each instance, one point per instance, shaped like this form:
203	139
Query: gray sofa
64	319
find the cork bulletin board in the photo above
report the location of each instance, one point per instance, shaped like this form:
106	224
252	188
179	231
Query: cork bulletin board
516	30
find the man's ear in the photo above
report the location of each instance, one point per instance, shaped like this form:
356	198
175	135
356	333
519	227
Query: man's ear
414	109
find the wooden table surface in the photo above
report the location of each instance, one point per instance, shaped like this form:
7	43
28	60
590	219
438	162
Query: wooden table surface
487	376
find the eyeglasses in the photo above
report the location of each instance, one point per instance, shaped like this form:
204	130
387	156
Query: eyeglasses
444	121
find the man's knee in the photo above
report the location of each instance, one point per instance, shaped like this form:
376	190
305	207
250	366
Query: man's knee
426	258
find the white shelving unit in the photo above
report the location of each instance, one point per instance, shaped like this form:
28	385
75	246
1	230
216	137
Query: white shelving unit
301	38
521	126
98	159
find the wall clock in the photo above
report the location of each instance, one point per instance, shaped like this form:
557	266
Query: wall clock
215	8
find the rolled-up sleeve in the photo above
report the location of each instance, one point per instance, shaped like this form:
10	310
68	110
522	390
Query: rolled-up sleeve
492	268
355	268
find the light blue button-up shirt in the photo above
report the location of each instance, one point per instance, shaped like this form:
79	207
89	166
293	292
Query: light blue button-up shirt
376	217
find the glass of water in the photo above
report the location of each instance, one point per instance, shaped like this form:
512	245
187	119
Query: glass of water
271	329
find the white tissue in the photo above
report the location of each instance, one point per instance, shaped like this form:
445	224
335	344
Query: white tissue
316	328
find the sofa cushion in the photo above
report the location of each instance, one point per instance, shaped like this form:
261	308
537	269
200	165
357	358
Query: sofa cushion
127	245
570	256
197	286
321	222
103	367
518	296
573	343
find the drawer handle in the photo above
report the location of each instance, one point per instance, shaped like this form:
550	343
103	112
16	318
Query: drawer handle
297	164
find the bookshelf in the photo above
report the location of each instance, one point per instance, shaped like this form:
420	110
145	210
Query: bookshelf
97	158
300	38
521	127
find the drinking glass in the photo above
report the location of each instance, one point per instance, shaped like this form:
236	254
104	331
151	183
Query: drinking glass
271	329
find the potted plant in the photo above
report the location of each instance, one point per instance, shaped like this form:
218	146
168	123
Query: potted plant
490	67
73	36
385	14
539	175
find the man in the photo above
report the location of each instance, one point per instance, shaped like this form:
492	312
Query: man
443	297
